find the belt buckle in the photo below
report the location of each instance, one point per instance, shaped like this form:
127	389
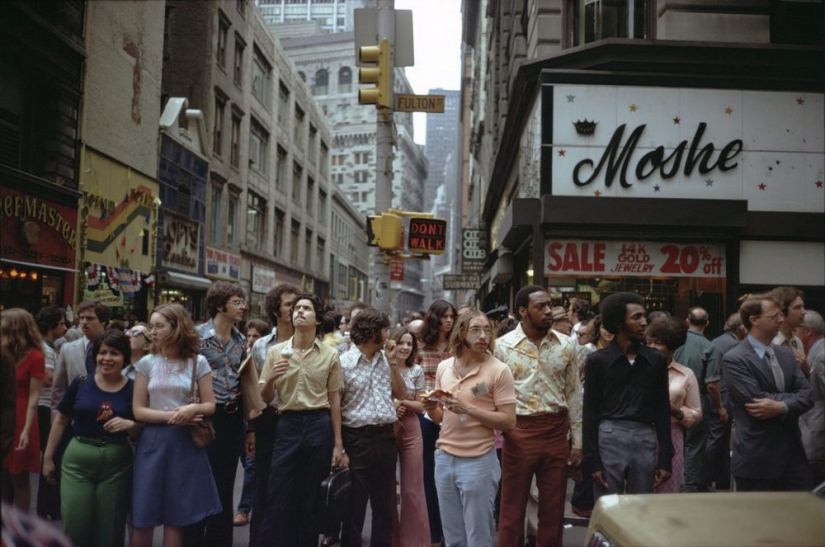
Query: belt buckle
231	407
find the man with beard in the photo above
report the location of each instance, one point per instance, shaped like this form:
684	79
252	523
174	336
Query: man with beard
627	444
547	437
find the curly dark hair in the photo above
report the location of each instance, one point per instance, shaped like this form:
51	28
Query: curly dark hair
523	295
368	323
115	339
219	294
614	309
580	307
48	317
272	301
668	330
432	321
317	305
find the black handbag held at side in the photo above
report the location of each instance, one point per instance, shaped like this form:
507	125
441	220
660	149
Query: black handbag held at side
335	498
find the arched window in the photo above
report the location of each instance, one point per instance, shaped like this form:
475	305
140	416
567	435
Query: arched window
345	80
321	86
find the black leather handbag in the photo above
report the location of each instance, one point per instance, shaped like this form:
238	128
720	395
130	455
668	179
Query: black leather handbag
335	498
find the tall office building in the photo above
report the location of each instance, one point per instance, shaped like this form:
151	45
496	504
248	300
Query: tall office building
442	132
331	15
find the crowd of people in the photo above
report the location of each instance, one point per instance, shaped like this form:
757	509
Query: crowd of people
475	410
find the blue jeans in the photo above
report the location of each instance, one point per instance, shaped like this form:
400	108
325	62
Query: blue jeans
466	495
248	490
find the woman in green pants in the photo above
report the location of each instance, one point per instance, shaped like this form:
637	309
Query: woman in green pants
97	466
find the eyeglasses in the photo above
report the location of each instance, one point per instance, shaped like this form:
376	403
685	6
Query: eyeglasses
774	315
238	303
479	330
134	333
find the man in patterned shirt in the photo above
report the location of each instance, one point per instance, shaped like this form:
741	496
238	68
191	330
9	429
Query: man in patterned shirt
371	381
548	418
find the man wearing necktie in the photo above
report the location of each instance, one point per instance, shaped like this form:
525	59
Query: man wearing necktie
768	392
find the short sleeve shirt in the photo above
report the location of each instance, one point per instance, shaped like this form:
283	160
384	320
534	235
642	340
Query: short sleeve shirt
224	360
90	407
308	381
429	358
170	380
413	381
367	395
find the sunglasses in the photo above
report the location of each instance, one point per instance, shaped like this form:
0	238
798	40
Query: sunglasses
134	333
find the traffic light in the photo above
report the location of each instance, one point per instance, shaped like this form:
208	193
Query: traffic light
384	231
380	75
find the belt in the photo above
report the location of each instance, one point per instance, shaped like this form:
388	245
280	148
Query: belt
100	441
230	407
379	428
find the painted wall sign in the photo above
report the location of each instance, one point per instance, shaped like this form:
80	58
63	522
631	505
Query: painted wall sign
223	265
180	243
767	148
37	230
263	279
566	258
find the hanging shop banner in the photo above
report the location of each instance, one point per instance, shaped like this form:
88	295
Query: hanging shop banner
222	264
263	279
576	257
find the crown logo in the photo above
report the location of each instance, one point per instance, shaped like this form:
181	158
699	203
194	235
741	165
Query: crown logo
585	127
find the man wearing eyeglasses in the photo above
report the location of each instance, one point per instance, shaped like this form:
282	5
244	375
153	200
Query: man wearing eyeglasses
224	347
768	392
548	434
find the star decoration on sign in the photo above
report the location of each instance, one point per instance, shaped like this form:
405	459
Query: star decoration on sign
819	184
728	111
762	186
597	193
676	120
657	188
800	101
562	152
633	108
571	98
709	182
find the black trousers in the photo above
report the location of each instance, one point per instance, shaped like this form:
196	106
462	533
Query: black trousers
429	435
48	495
224	455
265	427
372	452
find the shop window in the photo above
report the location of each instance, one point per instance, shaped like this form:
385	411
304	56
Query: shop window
592	20
345	80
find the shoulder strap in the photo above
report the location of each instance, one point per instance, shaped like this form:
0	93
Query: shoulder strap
193	385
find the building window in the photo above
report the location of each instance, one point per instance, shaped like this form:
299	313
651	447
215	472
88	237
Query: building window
261	77
320	252
297	173
235	145
283	103
310	196
255	221
302	76
240	46
258	147
313	137
324	167
278	249
232	226
592	20
294	235
345	80
241	5
298	126
217	127
322	208
223	36
215	216
321	86
308	250
280	170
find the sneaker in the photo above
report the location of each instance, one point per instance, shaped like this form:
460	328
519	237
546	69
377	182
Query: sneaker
241	519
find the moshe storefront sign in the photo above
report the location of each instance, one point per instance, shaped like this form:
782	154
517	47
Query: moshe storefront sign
667	166
566	258
766	148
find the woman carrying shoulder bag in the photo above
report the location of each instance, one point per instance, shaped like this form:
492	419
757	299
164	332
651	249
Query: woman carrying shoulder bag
174	486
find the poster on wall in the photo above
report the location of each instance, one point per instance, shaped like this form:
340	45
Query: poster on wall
631	258
180	243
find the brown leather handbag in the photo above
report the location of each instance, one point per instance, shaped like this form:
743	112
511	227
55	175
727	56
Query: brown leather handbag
203	433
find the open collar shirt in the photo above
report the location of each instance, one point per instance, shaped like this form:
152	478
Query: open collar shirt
259	351
546	377
367	395
224	360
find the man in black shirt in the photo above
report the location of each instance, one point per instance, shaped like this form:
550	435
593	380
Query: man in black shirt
626	405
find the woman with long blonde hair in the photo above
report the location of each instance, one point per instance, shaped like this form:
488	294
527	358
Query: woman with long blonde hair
174	486
22	343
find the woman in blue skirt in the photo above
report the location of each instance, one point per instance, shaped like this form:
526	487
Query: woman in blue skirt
173	485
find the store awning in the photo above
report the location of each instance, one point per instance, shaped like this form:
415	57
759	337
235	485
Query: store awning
33	265
183	281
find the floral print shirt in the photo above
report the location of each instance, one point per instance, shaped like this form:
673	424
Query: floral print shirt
224	361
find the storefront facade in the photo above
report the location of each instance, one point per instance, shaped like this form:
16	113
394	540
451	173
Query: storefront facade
39	243
689	191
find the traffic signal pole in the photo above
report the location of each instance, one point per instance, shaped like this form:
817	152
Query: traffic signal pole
383	295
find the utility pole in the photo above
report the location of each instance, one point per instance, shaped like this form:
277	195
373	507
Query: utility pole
384	297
